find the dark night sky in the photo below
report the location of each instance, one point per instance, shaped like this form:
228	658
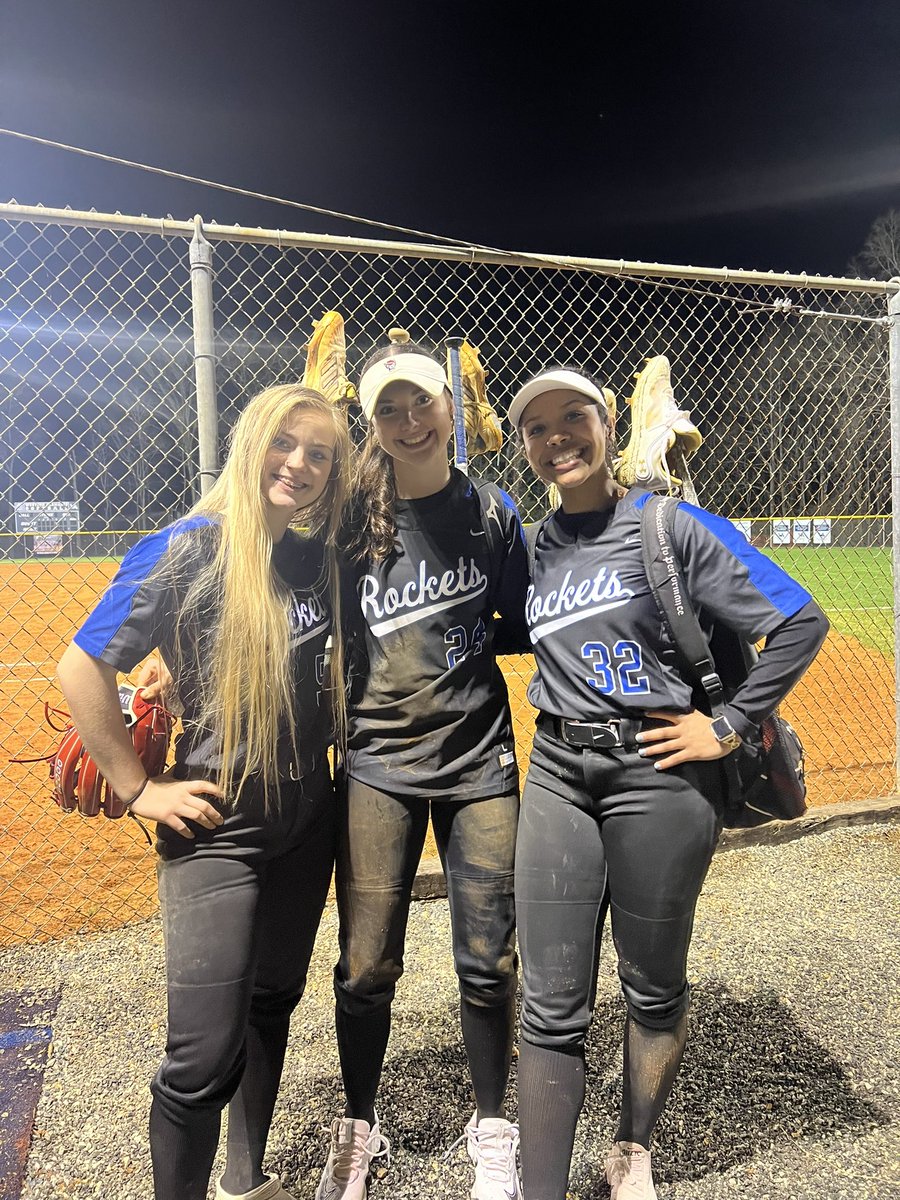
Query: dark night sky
747	133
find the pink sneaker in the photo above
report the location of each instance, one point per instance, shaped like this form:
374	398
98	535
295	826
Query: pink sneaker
353	1146
270	1190
628	1172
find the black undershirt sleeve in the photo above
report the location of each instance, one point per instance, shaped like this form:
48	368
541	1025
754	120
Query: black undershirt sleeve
788	651
511	628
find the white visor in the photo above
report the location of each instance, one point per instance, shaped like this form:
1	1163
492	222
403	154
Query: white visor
413	368
557	380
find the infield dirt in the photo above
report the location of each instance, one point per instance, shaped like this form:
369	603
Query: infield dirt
62	873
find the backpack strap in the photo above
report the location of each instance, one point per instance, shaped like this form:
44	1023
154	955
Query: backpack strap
531	536
662	564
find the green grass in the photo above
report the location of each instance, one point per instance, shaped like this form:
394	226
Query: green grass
852	583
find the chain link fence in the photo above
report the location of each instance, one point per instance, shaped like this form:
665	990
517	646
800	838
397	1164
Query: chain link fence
788	378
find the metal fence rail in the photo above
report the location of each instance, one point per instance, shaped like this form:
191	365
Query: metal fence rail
787	376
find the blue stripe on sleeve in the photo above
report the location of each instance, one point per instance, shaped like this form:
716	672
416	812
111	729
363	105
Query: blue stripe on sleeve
508	500
114	606
509	503
783	592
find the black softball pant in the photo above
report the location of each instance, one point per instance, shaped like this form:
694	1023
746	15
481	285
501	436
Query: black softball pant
604	828
379	848
241	905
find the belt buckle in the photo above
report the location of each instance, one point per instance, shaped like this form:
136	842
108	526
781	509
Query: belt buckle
604	735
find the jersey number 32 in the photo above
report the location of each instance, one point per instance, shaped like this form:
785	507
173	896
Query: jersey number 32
618	669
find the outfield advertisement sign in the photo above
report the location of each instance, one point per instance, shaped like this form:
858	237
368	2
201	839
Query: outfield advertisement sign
801	531
821	531
790	531
47	543
781	532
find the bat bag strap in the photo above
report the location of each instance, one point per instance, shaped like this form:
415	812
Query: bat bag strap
531	537
662	563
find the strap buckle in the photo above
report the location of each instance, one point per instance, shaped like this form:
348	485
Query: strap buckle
711	682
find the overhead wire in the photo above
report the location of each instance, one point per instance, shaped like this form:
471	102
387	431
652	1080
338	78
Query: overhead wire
545	260
249	193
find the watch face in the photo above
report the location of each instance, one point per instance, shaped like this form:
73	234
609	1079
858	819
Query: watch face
724	733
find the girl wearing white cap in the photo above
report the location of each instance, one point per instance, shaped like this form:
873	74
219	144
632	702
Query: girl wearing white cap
433	557
623	800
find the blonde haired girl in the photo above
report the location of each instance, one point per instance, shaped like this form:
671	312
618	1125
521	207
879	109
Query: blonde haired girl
241	598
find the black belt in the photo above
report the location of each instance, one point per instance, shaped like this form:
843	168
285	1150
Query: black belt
595	735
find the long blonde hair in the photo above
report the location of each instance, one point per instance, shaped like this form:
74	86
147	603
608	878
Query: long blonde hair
248	695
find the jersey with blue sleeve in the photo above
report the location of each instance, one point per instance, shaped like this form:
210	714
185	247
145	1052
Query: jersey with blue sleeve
599	643
139	612
429	711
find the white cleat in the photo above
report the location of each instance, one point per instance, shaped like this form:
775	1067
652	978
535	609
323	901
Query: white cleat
658	427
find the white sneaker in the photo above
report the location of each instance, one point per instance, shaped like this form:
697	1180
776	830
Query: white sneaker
492	1144
353	1146
270	1190
658	426
628	1172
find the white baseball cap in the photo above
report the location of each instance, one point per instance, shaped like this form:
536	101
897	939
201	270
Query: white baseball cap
413	368
554	380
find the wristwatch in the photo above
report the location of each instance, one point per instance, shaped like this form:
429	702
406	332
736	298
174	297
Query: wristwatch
724	733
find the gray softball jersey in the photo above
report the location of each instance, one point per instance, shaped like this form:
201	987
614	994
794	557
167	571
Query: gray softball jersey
137	613
600	646
429	710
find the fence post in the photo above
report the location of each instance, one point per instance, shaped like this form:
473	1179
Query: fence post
894	362
204	356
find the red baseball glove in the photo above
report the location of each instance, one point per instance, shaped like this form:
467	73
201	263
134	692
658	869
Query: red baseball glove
77	782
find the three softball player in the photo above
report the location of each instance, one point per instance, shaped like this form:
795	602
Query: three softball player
621	808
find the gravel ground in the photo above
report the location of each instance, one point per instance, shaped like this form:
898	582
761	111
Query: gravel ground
790	1085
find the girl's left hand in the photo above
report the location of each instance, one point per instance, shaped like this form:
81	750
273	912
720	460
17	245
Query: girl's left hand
687	738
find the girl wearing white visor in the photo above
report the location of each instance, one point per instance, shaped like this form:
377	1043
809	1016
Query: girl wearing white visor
433	557
623	802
